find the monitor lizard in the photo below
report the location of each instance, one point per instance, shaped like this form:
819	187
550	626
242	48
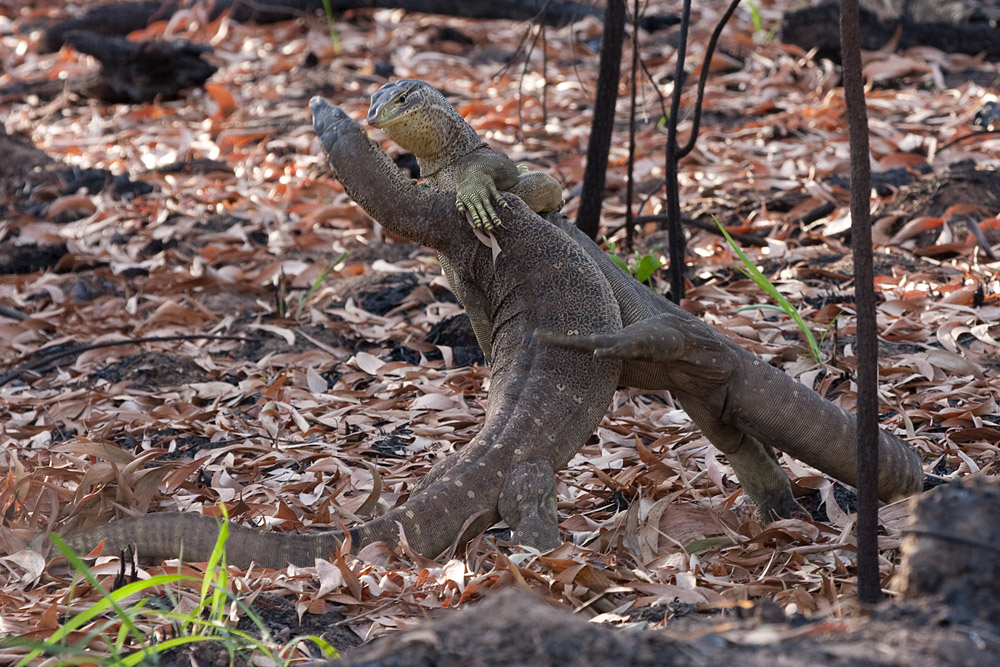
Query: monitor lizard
452	157
743	405
543	403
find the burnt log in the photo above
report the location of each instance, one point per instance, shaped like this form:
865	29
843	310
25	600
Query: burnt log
122	18
115	20
130	72
971	27
32	181
136	72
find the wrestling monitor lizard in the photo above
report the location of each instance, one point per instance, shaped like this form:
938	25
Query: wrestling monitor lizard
543	404
451	155
743	405
453	158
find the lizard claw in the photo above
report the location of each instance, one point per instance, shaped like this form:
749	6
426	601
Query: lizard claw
474	212
484	223
497	222
478	198
489	218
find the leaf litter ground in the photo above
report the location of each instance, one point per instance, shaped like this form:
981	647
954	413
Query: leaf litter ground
359	388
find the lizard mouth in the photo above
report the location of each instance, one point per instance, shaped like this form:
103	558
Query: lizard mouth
380	122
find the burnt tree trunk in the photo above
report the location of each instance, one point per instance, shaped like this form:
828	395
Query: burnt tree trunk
603	123
137	72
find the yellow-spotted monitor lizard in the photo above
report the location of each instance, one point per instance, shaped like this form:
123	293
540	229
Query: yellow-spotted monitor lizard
543	404
738	400
743	405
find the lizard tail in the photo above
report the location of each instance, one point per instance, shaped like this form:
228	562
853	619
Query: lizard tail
193	536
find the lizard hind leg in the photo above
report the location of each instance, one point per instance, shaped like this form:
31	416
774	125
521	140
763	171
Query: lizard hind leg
756	466
656	339
754	463
528	504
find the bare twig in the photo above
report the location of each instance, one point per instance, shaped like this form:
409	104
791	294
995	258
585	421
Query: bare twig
745	239
675	232
978	133
703	79
869	589
13	313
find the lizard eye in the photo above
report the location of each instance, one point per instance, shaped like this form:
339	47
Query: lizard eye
401	99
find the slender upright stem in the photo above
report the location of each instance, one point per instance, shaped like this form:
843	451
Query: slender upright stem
869	589
675	232
630	184
603	124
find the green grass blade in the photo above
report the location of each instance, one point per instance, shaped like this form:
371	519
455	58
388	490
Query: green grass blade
212	582
321	278
760	306
751	271
328	651
697	547
826	330
334	37
111	600
754	16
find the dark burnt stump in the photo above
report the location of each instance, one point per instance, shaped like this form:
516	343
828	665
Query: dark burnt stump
137	72
952	550
971	26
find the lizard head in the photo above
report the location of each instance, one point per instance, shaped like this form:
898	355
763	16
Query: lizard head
396	100
419	118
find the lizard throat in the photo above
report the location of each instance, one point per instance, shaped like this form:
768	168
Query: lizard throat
437	136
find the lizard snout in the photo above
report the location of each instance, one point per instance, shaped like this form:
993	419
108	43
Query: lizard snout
325	114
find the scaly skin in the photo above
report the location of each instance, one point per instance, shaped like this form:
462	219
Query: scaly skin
451	155
453	158
744	406
543	403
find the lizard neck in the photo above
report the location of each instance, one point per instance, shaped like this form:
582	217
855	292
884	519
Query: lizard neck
437	136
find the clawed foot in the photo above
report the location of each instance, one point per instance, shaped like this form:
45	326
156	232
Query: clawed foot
528	504
782	508
476	198
480	213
